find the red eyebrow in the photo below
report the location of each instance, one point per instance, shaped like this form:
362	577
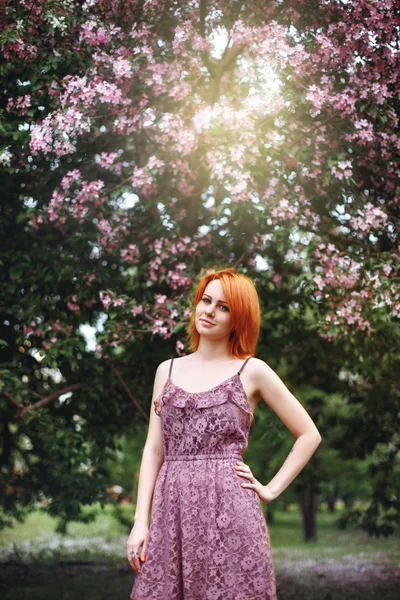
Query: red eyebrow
223	301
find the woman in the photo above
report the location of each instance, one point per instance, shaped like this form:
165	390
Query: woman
207	538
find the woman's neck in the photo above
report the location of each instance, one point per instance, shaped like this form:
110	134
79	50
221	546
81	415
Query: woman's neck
212	351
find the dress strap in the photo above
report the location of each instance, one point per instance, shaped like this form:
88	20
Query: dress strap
170	367
243	365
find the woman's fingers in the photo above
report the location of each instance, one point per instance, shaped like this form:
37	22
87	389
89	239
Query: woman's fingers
263	491
144	551
137	544
134	560
244	471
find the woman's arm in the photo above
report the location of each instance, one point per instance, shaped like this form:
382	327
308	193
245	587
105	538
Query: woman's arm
153	453
274	393
152	459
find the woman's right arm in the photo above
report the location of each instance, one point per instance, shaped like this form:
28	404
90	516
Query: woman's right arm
152	460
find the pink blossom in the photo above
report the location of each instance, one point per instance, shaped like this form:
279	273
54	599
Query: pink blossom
118	302
179	347
105	299
71	176
155	162
108	92
277	279
92	36
319	281
107	159
122	68
91	278
73	307
387	269
370	217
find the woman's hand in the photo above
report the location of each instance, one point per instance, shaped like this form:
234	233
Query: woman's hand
137	538
263	491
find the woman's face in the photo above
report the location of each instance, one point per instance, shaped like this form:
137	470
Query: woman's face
212	315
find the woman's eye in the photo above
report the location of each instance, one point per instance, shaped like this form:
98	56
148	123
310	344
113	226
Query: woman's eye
208	301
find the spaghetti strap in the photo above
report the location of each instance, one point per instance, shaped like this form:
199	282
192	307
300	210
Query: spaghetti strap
243	365
170	368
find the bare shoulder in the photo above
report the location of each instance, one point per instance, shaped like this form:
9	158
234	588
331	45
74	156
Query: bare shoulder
183	359
163	369
164	366
160	378
263	378
258	369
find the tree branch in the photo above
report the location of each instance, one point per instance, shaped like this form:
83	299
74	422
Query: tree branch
203	14
22	410
240	259
13	400
228	57
128	391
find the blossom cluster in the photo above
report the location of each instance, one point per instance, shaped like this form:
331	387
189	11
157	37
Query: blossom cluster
356	295
293	122
166	263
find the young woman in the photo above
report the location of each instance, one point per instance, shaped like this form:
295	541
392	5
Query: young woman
207	538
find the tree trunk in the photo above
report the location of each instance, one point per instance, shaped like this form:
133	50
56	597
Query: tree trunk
308	500
331	500
285	505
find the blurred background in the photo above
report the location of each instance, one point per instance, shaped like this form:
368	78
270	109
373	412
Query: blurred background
142	144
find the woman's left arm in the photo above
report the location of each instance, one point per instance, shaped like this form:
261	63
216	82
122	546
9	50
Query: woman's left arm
277	396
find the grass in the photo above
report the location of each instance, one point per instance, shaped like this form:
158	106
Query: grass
340	565
35	540
288	543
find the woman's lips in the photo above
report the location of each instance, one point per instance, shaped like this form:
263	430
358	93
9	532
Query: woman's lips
207	323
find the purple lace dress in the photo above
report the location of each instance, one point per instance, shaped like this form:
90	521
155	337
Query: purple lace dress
208	538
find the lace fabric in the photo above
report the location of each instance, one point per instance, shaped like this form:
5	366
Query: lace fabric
229	390
208	538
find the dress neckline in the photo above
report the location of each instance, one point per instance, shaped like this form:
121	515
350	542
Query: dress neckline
214	388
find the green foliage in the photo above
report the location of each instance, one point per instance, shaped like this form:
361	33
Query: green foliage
69	453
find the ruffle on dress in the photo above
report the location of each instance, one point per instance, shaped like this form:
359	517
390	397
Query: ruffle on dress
230	390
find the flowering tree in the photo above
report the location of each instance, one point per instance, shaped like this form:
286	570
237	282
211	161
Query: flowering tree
143	141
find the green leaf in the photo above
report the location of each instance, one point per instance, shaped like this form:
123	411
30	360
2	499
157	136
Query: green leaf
178	327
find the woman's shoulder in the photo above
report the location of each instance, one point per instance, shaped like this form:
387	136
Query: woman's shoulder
256	367
164	367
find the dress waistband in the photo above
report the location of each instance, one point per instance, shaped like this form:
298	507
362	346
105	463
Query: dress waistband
213	455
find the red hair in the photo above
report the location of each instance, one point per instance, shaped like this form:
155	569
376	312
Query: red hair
244	306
